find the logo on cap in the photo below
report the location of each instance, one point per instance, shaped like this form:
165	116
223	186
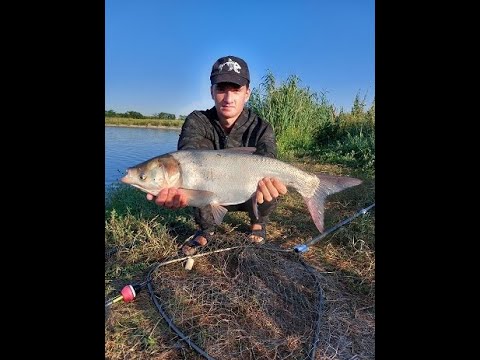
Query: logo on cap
232	65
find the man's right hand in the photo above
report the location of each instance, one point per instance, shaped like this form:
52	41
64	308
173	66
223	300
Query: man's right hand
171	198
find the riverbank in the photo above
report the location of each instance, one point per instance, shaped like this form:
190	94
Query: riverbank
144	123
147	126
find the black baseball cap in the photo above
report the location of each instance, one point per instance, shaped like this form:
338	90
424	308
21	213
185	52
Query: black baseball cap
230	69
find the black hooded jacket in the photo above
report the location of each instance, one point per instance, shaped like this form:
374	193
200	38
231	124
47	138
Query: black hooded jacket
202	130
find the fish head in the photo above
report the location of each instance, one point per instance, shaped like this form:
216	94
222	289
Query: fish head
153	175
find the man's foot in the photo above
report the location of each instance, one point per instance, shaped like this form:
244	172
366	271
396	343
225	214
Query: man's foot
258	233
200	239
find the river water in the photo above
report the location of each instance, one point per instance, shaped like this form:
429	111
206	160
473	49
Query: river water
127	146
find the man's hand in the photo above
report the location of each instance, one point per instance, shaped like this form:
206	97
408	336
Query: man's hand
269	189
171	198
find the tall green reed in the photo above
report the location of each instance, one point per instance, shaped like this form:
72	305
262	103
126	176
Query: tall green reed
295	113
306	124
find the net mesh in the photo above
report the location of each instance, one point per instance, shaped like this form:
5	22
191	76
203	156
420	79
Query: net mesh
250	302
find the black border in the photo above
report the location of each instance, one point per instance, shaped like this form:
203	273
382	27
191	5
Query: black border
56	166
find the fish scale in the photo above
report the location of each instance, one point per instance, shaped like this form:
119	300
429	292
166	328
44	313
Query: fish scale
220	172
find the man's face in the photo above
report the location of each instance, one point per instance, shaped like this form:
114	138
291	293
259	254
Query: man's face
229	99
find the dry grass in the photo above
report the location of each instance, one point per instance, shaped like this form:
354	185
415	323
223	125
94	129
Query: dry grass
250	302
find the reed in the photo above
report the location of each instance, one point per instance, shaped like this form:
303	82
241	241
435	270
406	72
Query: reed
307	125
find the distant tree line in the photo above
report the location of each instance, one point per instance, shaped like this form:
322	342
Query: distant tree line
137	115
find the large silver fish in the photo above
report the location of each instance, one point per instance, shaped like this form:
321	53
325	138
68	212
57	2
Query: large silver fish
226	177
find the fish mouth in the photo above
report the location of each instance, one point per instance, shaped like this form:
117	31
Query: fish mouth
129	180
154	193
141	188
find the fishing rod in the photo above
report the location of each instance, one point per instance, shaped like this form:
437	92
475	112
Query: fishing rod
129	292
304	247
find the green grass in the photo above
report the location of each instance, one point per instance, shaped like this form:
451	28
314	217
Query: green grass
144	122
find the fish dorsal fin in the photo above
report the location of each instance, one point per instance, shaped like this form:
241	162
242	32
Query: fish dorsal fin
241	150
218	212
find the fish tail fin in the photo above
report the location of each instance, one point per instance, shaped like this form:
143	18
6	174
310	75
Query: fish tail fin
329	184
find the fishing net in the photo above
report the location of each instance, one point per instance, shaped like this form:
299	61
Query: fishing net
241	302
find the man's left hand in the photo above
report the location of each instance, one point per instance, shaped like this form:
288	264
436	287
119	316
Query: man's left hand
269	189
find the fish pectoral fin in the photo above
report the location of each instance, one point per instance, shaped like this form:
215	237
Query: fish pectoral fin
218	212
202	197
195	195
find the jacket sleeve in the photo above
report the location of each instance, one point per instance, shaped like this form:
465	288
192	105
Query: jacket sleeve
194	134
266	144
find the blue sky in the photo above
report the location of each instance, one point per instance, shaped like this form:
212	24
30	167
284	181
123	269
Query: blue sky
159	54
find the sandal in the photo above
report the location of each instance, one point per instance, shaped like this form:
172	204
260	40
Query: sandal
189	248
258	236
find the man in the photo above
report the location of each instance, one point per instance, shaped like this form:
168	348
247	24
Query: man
228	124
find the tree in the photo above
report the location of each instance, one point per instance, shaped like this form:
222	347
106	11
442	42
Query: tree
164	115
134	115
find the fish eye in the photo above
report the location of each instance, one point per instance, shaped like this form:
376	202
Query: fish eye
143	176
